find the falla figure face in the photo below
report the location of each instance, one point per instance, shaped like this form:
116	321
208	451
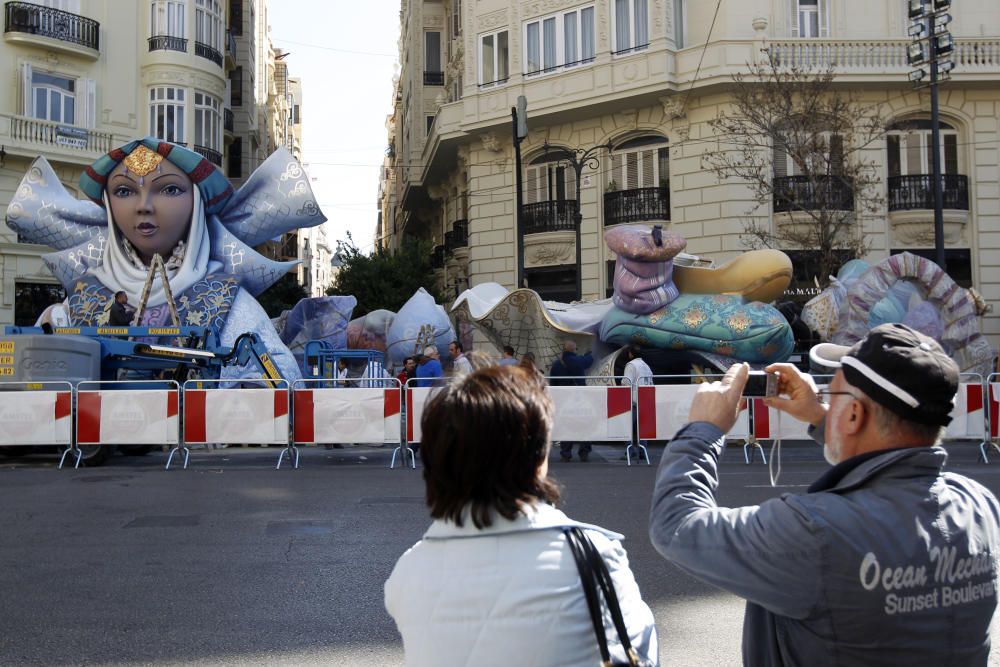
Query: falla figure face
152	210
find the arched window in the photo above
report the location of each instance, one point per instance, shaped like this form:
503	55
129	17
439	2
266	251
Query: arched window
909	148
549	178
643	162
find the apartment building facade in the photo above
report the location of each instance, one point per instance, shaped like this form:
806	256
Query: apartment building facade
639	81
81	77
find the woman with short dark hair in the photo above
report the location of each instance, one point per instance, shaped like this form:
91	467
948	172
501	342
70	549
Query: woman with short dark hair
493	581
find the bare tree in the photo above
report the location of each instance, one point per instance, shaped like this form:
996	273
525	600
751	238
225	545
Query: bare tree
799	143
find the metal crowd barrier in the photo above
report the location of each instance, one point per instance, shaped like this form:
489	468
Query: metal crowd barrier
38	413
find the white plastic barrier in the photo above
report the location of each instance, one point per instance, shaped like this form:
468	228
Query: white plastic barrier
592	413
110	416
968	417
235	416
31	416
663	410
416	398
345	415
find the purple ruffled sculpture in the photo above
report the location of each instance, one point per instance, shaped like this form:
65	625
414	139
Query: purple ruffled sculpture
644	269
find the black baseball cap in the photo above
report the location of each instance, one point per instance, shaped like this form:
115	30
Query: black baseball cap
898	368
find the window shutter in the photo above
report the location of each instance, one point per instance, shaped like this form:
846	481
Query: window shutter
836	154
89	107
824	18
663	156
616	170
949	144
648	176
26	97
793	12
780	159
631	171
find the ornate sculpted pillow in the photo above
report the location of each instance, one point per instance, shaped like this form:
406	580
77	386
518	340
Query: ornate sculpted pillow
719	324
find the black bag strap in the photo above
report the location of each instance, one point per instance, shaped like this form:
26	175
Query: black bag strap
588	580
594	576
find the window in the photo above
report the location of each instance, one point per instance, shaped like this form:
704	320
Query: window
631	25
641	163
166	114
810	18
207	121
53	97
235	169
680	23
432	52
909	148
553	283
430	123
208	23
236	17
296	118
236	87
785	165
494	58
456	19
30	299
167	18
562	40
548	179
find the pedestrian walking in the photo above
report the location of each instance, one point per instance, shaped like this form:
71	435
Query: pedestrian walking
569	363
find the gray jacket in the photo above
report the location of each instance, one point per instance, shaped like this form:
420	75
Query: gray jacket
895	563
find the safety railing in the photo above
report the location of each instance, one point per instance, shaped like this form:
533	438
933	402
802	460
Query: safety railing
37	413
321	411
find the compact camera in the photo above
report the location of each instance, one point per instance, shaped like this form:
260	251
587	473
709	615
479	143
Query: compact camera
760	383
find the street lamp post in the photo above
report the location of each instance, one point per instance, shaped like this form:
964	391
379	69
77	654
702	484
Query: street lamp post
932	45
578	158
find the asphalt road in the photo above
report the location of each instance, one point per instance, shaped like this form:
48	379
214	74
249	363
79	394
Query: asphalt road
234	563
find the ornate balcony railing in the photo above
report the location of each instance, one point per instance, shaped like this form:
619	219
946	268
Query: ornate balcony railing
638	205
437	257
228	120
35	19
549	216
213	156
433	78
804	193
877	55
167	43
916	191
42	133
209	53
460	234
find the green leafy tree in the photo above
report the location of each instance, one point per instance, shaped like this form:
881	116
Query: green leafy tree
282	295
384	279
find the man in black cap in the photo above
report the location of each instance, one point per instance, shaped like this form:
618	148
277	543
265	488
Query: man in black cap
887	559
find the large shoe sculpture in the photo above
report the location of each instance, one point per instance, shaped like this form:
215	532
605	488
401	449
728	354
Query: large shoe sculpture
720	321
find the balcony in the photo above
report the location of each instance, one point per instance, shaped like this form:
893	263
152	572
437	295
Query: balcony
203	50
549	216
916	191
213	156
878	56
228	120
31	136
639	205
817	193
53	28
433	78
167	43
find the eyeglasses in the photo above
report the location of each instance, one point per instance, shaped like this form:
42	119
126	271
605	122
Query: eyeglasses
823	396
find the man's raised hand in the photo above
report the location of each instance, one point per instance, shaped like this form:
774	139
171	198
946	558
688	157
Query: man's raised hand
718	403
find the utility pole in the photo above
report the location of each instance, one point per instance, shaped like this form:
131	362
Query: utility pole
932	46
519	118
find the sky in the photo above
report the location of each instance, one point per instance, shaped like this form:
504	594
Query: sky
345	52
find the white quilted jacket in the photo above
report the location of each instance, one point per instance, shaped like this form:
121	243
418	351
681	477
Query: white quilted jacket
508	595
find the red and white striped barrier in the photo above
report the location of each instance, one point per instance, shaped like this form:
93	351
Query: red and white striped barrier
346	415
771	424
236	416
592	413
663	410
126	416
36	417
968	417
416	398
